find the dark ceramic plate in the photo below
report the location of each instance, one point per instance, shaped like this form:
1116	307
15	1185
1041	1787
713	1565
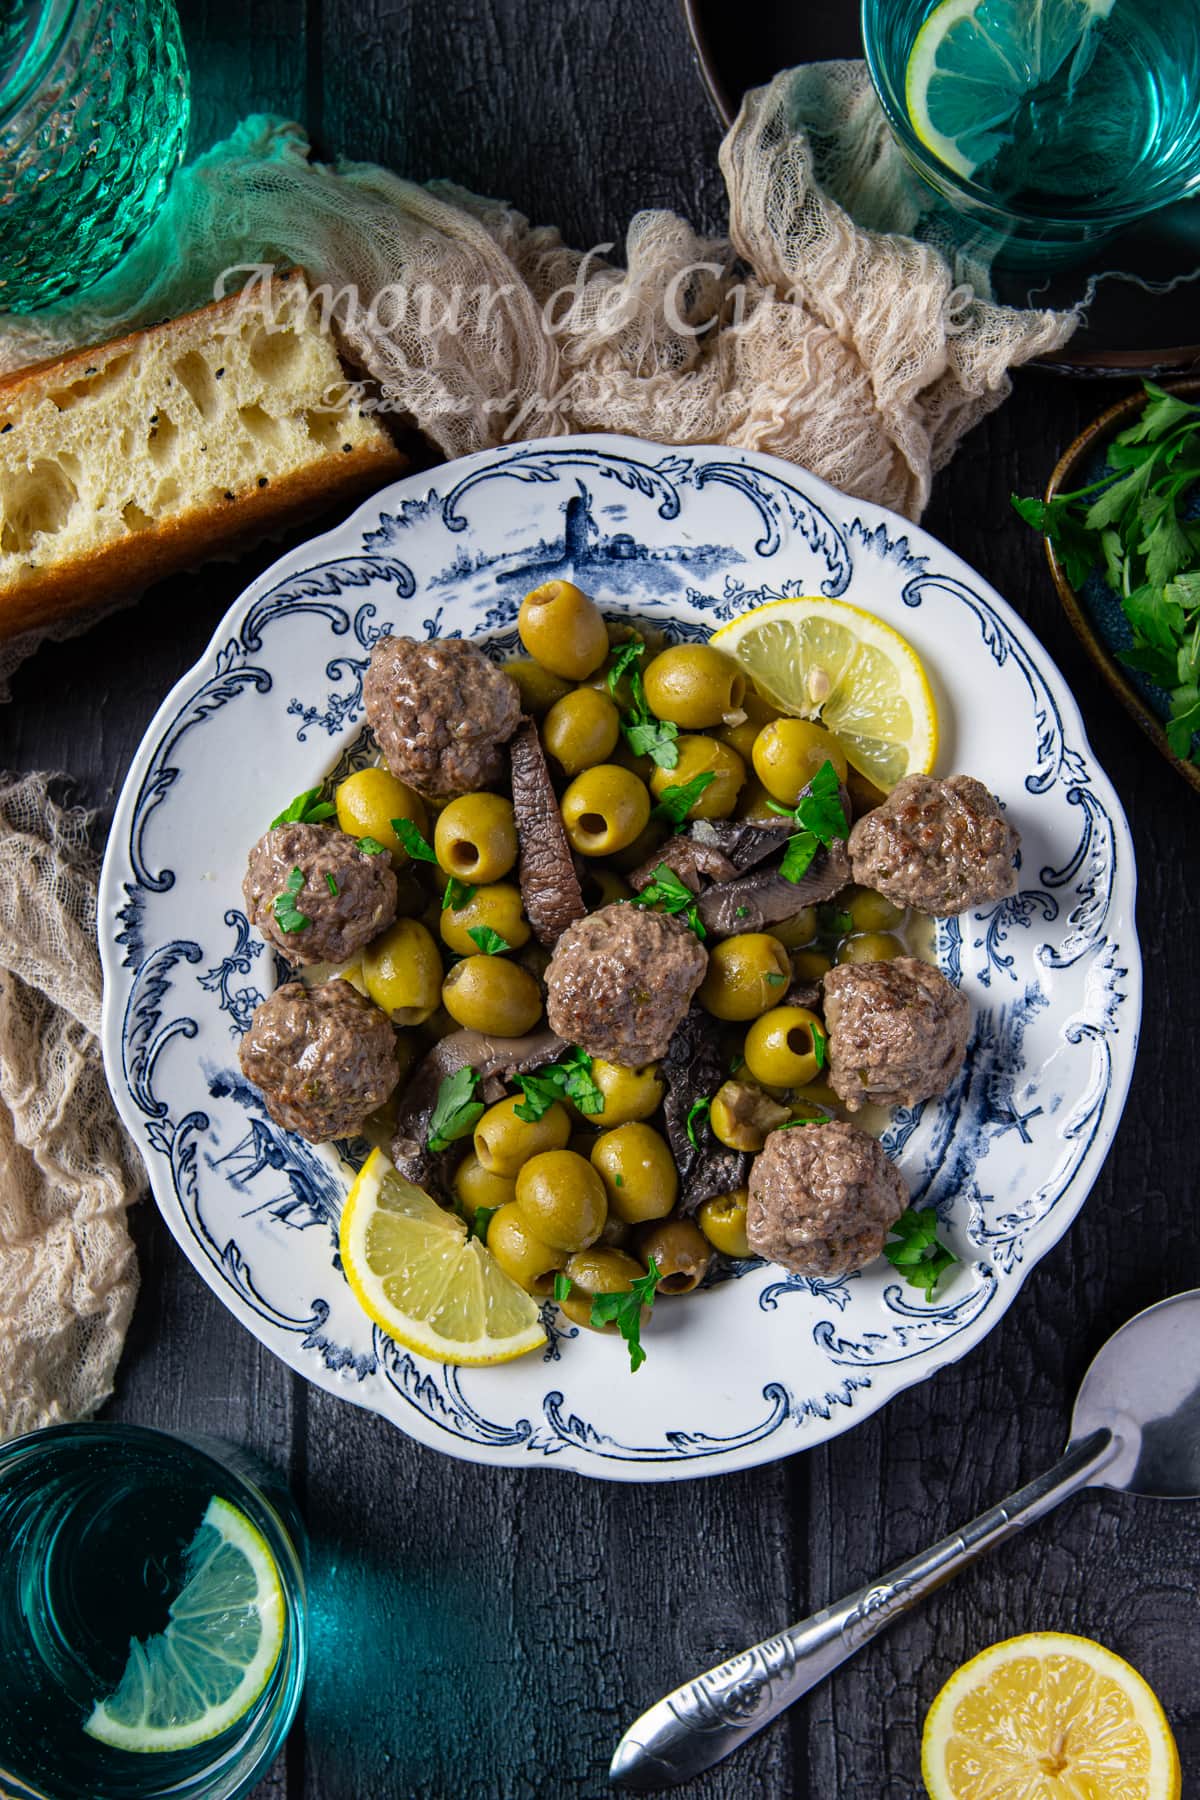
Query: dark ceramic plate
1094	609
1129	329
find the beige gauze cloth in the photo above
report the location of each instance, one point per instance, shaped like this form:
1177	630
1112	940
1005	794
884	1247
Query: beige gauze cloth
862	354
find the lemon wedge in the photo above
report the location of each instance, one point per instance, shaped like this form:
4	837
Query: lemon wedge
1048	1717
415	1271
826	660
222	1641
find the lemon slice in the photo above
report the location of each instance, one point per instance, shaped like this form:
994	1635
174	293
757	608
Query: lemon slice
415	1271
822	659
975	63
217	1653
1048	1717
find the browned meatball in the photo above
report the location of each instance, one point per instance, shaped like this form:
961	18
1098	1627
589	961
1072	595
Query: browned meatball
939	846
346	896
441	712
897	1031
322	1058
822	1199
621	980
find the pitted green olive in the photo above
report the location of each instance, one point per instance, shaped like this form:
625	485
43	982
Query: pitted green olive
475	838
799	930
723	1222
694	685
476	1186
747	974
789	752
539	687
605	809
679	1251
870	911
629	1094
741	736
598	1271
563	630
869	946
370	799
497	907
503	1142
581	730
531	1262
638	1172
781	1047
704	756
493	995
561	1199
402	971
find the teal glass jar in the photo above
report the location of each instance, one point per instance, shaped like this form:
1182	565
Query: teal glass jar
93	123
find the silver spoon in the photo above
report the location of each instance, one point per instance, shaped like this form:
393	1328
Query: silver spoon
1136	1427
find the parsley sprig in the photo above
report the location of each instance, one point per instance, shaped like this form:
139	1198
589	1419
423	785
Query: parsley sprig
414	840
305	809
483	1218
821	819
456	1110
671	895
624	1309
287	914
676	802
698	1113
820	1044
456	894
487	941
570	1079
645	735
916	1252
1137	525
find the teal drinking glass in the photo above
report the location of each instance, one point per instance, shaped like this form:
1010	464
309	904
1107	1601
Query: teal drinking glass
93	123
153	1624
1043	126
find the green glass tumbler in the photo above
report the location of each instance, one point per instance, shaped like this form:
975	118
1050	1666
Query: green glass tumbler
93	123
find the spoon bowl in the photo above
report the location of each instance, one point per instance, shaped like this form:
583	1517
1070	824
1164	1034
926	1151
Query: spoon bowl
1143	1387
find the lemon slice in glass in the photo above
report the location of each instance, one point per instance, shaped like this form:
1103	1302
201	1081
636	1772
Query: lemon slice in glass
414	1270
822	659
974	64
221	1644
1051	1716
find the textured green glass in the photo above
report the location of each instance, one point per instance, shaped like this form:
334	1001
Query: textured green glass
93	123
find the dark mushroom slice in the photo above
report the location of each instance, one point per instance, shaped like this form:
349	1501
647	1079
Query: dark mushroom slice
550	890
763	897
744	842
693	1069
691	860
496	1060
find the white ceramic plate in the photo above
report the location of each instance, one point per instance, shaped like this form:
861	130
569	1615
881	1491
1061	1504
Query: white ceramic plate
757	1366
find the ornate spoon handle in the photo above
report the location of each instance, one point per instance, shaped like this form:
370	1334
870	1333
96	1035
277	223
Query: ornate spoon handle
707	1718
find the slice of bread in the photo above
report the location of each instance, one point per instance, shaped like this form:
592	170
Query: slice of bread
121	464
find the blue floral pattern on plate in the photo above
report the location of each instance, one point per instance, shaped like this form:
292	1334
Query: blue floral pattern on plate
754	1367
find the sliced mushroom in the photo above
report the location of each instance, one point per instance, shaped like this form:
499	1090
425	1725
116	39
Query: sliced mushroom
693	1069
496	1059
550	890
764	896
688	858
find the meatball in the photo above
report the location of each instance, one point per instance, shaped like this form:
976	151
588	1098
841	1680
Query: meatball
322	1058
441	712
897	1031
621	980
939	846
344	896
822	1199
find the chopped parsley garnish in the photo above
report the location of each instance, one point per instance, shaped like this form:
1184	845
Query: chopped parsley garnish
414	841
665	890
835	921
698	1111
488	941
618	1179
456	895
645	735
624	1310
570	1079
739	912
675	803
305	809
821	819
331	882
820	1044
372	846
287	914
562	1286
774	979
921	1259
483	1218
456	1111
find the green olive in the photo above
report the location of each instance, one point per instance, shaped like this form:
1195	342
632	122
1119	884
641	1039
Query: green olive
617	1235
644	845
491	994
370	799
680	1252
781	1047
403	972
638	1172
605	809
602	887
747	974
581	730
597	1271
694	685
539	687
620	692
628	1093
476	1186
869	946
530	1261
705	756
723	1222
810	965
496	907
503	1142
562	1200
870	911
789	752
475	838
740	737
742	1116
754	802
799	930
563	630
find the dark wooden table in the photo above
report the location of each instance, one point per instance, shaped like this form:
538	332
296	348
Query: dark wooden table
485	1635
